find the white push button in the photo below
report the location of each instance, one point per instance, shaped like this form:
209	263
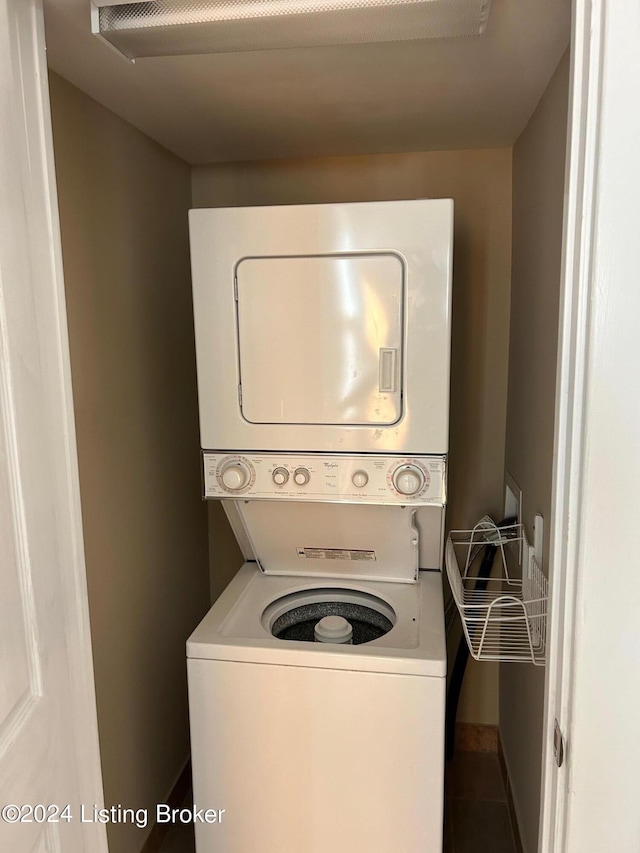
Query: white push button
360	479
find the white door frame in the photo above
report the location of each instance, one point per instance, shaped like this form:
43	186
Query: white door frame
49	752
593	675
570	389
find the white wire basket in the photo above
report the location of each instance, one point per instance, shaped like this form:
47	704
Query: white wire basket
503	618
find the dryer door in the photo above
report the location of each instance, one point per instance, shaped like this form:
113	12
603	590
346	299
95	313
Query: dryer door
320	339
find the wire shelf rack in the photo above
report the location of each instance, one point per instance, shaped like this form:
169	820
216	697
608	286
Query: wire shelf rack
503	618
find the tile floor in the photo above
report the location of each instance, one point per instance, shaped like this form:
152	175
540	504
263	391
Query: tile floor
476	813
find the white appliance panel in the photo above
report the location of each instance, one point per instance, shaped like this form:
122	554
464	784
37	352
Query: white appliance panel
360	542
395	480
320	339
316	759
403	246
428	519
430	523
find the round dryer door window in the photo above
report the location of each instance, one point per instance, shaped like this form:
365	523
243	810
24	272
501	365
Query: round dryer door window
329	615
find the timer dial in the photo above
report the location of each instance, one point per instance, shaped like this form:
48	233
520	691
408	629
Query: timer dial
235	475
408	479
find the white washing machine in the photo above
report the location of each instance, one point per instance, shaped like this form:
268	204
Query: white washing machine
319	746
317	680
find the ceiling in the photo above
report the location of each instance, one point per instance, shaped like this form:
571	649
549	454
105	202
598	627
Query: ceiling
361	99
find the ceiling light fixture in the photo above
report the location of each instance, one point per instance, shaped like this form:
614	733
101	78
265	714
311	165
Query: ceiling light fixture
174	27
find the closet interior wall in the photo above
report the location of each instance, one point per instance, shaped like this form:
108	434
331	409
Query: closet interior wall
123	212
155	552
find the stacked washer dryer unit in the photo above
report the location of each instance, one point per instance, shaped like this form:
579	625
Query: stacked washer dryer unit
317	680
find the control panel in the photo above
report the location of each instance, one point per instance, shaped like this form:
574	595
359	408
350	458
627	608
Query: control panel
419	480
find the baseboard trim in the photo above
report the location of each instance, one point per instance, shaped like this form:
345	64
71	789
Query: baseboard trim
510	804
176	797
474	737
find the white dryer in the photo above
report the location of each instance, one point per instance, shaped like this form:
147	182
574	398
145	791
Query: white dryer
324	327
317	680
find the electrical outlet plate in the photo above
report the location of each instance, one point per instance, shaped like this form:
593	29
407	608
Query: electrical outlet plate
538	538
512	498
513	504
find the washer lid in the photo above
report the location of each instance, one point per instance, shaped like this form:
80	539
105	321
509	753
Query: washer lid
357	541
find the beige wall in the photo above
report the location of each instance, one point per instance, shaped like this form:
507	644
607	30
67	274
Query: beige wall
225	557
538	187
123	208
480	184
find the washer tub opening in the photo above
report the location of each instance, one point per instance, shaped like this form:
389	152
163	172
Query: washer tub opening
295	616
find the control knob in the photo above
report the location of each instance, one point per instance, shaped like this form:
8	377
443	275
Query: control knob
280	476
236	475
301	476
360	479
408	479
